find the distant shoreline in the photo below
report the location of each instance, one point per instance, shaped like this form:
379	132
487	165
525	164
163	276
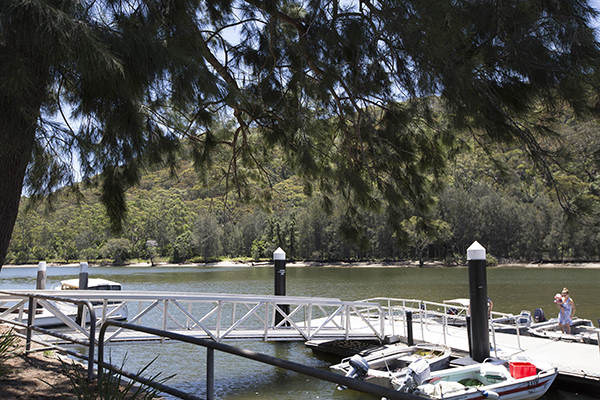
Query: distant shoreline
314	264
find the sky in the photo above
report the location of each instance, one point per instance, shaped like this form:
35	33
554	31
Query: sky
596	5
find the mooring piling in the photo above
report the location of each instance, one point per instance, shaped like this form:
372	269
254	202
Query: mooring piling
83	285
478	300
279	261
41	276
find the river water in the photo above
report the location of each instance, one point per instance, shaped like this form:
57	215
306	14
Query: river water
511	290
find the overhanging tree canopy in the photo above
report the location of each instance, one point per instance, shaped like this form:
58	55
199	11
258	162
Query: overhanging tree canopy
365	98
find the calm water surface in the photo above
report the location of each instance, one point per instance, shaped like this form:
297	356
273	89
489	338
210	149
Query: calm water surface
511	289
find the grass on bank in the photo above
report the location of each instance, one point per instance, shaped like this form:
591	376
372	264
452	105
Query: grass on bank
112	386
8	349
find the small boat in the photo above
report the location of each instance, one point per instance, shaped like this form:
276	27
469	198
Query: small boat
510	324
582	331
115	310
514	380
93	284
457	311
381	364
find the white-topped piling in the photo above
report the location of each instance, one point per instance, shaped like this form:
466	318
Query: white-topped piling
41	276
83	275
279	261
480	336
83	285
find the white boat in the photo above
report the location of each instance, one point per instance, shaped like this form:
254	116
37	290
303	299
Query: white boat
63	312
383	363
514	380
510	324
457	311
93	284
582	331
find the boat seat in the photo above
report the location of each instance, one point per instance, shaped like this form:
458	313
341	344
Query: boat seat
494	372
441	388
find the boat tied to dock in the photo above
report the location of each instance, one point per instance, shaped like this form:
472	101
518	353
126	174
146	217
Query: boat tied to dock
381	364
492	379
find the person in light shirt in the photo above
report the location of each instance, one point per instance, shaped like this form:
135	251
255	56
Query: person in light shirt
566	313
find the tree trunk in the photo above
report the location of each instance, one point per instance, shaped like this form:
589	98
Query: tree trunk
19	114
15	153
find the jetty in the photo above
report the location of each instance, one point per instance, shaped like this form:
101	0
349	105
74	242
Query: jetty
320	322
578	364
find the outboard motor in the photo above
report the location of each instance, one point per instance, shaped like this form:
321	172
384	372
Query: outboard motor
416	373
452	311
358	369
538	315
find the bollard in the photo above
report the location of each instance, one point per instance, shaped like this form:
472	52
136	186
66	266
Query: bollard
409	329
83	285
41	276
480	334
279	259
83	275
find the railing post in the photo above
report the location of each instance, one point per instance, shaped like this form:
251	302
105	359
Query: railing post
518	334
409	325
210	373
83	285
468	322
347	321
219	309
422	321
266	320
382	322
30	316
92	340
165	318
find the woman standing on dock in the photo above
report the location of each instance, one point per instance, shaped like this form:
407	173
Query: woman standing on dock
566	313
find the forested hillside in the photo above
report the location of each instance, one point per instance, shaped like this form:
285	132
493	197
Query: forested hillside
497	199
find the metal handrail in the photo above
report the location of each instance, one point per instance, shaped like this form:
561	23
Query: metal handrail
89	343
351	383
420	307
213	322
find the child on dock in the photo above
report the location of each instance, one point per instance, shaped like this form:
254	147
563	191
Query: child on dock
559	302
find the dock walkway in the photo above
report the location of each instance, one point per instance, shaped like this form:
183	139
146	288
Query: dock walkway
578	360
222	317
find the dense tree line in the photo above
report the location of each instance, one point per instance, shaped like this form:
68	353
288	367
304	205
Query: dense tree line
349	93
497	199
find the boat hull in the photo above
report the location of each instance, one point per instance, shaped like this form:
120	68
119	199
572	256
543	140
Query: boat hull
444	384
582	331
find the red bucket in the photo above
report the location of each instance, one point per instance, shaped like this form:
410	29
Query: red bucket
520	369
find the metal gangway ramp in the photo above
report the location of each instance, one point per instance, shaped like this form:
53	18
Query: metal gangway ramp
221	317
